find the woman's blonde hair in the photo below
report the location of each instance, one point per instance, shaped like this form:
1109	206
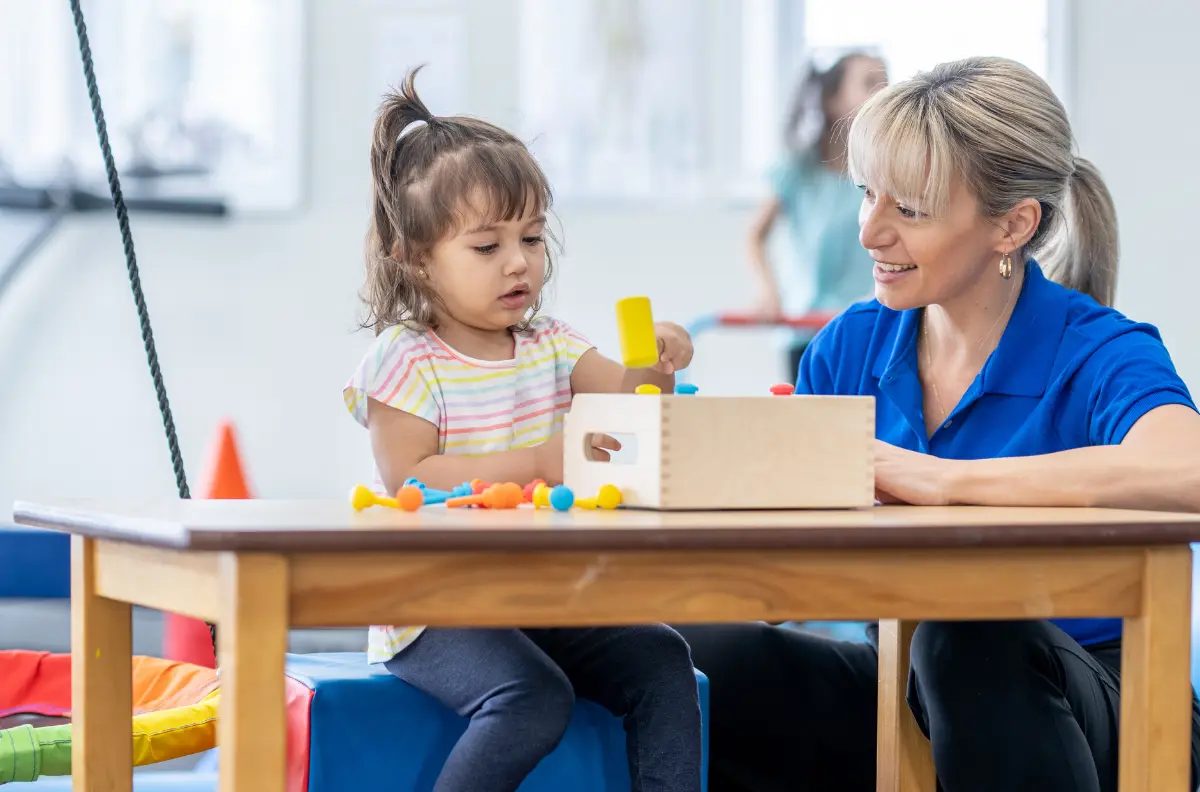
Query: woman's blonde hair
998	126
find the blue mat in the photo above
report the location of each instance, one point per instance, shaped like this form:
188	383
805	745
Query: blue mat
36	564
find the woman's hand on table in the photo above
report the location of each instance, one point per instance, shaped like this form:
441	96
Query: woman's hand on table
903	476
1156	466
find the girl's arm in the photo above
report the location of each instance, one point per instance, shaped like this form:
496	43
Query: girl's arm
594	373
770	304
1156	466
406	446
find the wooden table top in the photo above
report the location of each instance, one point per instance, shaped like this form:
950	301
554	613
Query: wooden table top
332	526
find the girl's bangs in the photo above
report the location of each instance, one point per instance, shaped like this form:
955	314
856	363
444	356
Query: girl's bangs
495	185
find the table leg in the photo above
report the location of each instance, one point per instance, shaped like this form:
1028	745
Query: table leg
1156	708
101	681
251	643
904	762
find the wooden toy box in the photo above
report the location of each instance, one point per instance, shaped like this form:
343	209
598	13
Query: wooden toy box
727	452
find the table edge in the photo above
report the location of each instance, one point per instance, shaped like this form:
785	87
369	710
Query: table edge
432	539
34	515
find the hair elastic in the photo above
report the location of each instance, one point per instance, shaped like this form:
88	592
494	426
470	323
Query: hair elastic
420	122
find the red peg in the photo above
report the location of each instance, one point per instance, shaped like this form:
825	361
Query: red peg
529	488
783	389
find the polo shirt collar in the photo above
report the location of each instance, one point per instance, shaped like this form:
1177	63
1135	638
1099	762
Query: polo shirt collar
1022	363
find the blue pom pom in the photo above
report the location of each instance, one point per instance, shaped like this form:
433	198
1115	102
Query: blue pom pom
561	498
686	389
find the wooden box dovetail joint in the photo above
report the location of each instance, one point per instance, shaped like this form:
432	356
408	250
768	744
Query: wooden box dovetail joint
727	452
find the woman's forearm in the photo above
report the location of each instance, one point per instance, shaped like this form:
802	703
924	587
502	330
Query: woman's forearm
1117	477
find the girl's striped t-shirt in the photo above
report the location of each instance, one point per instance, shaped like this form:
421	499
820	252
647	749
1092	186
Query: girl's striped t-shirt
478	406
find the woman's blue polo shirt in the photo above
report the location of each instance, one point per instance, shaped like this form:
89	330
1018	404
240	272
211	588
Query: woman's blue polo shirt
1068	373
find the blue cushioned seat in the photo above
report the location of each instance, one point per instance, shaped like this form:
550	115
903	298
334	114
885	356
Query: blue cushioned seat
373	731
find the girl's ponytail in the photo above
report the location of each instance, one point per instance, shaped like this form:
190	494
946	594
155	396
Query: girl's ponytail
391	151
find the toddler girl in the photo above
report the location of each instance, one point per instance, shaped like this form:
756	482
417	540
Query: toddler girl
464	380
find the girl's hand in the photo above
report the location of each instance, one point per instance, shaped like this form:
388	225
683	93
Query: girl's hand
549	455
903	476
769	307
674	347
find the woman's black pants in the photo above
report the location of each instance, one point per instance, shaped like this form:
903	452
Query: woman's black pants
1007	706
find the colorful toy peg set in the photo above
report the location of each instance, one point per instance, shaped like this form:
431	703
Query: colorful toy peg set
688	389
413	495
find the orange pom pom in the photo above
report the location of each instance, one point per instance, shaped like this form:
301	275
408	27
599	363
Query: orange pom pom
410	498
503	496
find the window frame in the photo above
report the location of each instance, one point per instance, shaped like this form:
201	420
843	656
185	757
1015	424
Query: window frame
59	88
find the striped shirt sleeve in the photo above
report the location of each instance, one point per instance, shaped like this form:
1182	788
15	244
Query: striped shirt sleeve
569	344
397	371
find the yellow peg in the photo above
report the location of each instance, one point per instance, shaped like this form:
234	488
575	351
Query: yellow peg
363	498
609	497
409	498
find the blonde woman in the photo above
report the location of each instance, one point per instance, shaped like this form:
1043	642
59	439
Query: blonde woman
1002	376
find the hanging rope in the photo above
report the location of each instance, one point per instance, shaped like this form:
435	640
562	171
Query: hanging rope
135	281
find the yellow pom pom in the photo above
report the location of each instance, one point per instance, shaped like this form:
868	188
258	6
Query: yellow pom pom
609	497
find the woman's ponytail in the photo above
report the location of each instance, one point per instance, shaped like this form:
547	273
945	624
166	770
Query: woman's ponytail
1085	255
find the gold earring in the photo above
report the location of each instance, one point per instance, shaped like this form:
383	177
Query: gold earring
1006	266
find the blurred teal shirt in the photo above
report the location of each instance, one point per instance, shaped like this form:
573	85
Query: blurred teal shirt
821	208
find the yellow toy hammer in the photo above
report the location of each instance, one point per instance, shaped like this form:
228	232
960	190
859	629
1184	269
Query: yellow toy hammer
635	327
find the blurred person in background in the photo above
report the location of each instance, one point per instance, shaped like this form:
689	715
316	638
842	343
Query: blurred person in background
811	190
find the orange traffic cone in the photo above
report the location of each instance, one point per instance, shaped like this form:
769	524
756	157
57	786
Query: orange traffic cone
186	639
225	479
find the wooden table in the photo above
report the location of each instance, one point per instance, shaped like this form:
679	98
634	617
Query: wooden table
257	567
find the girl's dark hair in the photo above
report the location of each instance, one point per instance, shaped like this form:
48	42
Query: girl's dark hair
813	96
423	184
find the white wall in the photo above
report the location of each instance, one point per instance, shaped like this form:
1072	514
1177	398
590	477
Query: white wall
255	320
1136	117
